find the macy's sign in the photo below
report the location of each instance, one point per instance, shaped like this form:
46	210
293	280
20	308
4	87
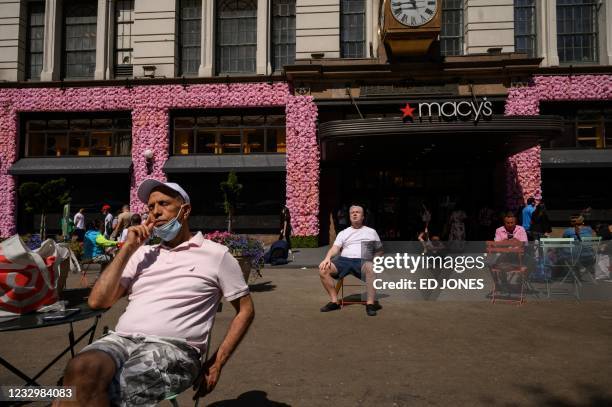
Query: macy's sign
463	110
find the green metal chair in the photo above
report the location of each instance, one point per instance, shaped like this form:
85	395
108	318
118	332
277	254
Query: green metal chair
561	253
589	253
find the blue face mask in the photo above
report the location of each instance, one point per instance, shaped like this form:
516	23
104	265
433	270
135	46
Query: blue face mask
169	231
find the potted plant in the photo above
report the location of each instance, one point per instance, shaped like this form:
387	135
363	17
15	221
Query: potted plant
231	189
249	252
43	199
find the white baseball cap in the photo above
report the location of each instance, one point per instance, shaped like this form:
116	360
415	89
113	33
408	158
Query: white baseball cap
145	188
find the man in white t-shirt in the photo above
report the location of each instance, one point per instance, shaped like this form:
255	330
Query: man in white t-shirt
173	291
108	220
79	224
356	246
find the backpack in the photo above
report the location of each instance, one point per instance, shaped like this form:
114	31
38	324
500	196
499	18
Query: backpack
278	253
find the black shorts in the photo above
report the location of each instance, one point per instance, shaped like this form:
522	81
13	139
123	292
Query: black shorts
346	266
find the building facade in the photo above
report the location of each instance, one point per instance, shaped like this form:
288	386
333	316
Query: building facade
306	101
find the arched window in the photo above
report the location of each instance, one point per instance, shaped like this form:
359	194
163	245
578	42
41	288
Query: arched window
79	57
283	33
236	36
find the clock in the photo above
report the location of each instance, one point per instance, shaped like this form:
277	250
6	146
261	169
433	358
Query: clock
408	28
413	13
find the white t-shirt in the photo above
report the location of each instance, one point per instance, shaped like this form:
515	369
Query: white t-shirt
108	225
351	239
79	221
124	234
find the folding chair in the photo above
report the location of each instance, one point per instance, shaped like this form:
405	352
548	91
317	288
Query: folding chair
340	291
501	270
85	265
561	252
172	397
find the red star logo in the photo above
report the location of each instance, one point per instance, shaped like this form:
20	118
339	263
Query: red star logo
408	111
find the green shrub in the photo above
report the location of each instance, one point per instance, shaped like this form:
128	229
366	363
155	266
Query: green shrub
304	241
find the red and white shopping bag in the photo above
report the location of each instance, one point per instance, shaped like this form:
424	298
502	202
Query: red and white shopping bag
28	278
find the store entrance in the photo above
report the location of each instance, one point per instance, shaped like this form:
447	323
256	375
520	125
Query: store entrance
395	185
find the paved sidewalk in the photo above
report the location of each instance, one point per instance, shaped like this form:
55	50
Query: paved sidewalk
414	353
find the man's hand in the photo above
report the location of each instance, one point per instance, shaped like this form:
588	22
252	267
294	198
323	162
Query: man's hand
325	264
138	235
209	378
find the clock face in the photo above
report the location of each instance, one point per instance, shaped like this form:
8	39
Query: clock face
413	13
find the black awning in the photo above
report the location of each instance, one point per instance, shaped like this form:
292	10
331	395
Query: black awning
532	127
225	163
71	165
575	158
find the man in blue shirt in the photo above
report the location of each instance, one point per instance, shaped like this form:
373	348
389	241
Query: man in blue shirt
528	212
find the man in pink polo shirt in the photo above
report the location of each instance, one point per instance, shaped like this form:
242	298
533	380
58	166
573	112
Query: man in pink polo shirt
510	230
173	290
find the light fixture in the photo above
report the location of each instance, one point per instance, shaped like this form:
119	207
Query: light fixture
148	155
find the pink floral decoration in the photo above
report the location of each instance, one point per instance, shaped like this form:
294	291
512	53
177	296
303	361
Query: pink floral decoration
523	173
302	165
150	107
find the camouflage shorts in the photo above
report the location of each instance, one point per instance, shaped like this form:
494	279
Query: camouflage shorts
149	368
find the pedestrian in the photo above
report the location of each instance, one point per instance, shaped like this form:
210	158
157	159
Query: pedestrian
123	221
526	215
79	224
456	235
108	220
486	222
135	220
342	218
285	224
540	223
96	247
173	291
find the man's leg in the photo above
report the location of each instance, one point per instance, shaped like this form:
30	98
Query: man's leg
368	269
328	282
91	373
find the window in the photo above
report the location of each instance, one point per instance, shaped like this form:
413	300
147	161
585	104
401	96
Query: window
451	31
525	27
124	48
191	34
79	59
84	136
352	28
586	126
577	31
254	132
236	36
283	33
35	33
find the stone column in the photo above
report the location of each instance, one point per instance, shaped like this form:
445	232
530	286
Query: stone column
605	33
52	41
101	40
207	56
547	32
263	46
110	38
